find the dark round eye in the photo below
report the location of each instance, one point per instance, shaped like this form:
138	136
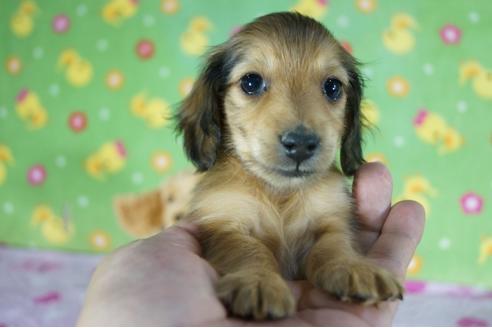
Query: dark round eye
332	89
253	84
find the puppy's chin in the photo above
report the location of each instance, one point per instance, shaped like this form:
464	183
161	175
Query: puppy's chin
281	179
295	173
277	171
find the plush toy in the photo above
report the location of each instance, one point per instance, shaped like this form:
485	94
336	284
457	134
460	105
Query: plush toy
145	214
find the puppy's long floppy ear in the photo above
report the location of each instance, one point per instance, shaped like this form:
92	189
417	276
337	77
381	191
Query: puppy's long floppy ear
351	149
201	113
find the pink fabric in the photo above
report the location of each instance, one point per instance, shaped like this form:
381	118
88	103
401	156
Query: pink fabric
42	288
46	288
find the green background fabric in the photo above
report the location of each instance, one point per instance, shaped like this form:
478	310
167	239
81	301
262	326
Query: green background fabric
429	95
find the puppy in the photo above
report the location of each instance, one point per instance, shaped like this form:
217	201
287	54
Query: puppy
145	214
264	121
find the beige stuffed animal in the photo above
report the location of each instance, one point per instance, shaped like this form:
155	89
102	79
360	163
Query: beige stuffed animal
145	214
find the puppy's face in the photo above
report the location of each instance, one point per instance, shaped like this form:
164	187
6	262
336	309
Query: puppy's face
285	107
285	98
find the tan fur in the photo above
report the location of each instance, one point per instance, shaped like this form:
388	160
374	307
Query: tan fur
145	214
140	215
258	225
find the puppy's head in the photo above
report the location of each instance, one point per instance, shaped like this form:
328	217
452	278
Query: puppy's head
282	96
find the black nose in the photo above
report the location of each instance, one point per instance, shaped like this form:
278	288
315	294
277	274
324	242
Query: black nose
299	144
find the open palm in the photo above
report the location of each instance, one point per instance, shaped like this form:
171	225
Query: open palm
163	280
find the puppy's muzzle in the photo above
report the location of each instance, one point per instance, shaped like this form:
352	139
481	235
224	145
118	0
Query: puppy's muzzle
299	144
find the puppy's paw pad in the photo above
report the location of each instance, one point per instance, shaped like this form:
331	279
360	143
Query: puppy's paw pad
256	295
358	282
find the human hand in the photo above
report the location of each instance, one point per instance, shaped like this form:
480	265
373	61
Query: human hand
163	280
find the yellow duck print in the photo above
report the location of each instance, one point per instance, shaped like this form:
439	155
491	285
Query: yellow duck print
155	112
78	71
116	11
313	8
54	229
415	265
418	188
109	159
482	78
433	129
452	140
370	112
30	109
22	22
485	249
377	157
6	158
398	38
194	40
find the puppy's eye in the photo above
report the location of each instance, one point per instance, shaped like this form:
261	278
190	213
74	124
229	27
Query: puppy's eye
253	84
332	89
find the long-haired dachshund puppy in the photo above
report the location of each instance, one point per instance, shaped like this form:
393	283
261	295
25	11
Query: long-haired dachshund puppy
265	120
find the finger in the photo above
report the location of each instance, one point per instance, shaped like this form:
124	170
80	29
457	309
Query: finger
180	237
311	298
393	250
179	240
372	189
299	288
399	237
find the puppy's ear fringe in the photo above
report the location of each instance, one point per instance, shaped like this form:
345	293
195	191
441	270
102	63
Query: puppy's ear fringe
200	115
351	157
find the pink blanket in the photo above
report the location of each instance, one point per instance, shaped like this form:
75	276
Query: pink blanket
45	288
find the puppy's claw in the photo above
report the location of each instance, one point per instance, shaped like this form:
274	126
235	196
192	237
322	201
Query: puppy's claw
256	295
360	282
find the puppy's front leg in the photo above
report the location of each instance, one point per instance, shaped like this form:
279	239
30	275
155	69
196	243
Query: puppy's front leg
335	267
250	284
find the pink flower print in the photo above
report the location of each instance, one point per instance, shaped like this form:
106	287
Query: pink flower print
77	121
36	175
145	49
450	34
39	266
60	23
235	30
50	297
472	322
347	46
415	287
471	203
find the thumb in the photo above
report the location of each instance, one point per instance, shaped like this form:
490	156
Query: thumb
399	237
181	237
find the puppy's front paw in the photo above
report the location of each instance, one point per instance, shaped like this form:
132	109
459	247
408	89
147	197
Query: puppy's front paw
357	282
258	295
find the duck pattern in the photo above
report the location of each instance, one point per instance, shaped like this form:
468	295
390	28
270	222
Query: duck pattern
88	90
